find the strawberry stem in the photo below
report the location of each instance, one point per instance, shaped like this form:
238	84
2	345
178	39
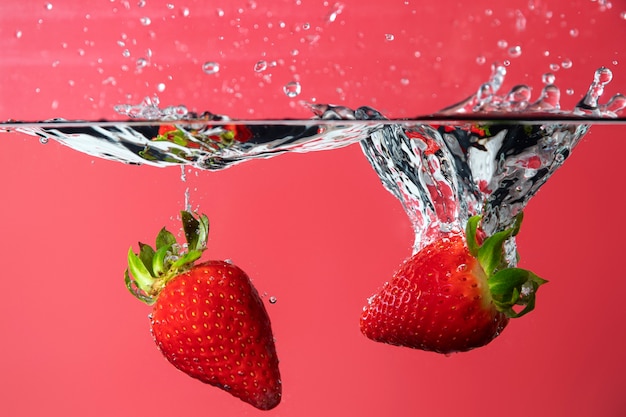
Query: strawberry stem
509	287
150	270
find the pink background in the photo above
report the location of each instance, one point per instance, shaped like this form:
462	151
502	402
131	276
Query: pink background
317	231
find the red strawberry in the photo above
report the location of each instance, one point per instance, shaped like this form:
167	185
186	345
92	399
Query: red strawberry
207	319
451	296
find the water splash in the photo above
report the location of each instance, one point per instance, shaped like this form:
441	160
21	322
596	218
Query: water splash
488	154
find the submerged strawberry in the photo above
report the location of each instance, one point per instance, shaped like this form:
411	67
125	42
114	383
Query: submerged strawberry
208	320
452	296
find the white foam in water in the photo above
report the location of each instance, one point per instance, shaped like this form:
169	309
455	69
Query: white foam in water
487	154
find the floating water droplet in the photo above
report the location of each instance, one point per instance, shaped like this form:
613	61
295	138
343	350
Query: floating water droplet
554	67
573	33
220	12
548	78
502	44
569	91
43	141
389	37
603	75
141	63
260	66
211	67
520	21
145	21
515	51
18	34
336	11
480	60
272	300
404	81
567	63
184	11
48	6
292	89
160	87
125	53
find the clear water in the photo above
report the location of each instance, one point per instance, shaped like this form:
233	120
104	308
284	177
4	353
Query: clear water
487	154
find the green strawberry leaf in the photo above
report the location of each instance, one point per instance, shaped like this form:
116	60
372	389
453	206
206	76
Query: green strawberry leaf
491	253
131	284
188	258
142	276
165	238
509	287
196	230
514	287
146	254
150	270
470	234
159	266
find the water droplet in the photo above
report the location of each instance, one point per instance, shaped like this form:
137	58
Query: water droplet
515	51
145	21
554	67
260	66
389	37
18	34
272	300
43	141
160	87
569	91
573	33
336	11
404	81
141	63
502	44
48	6
548	78
125	53
623	15
184	12
480	60
603	75
220	12
559	157
520	21
211	67
292	89
567	63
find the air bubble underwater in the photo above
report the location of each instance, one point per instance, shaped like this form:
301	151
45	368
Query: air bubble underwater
211	67
292	89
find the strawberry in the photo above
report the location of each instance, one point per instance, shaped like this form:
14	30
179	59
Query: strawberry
453	295
207	319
